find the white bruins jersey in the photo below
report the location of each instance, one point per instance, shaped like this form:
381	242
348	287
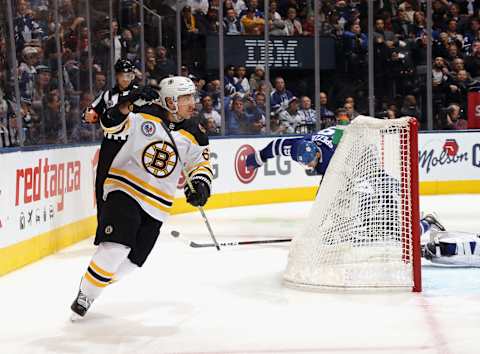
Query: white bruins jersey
147	167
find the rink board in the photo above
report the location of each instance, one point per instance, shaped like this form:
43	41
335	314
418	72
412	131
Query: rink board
47	196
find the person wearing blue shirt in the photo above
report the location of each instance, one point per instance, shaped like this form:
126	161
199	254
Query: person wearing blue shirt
253	4
237	121
312	150
280	94
231	87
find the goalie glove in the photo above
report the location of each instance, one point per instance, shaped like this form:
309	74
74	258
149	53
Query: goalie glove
201	192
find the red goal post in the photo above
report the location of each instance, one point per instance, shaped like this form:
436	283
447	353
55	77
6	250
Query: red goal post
415	197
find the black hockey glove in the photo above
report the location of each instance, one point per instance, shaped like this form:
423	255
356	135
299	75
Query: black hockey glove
201	194
146	93
149	94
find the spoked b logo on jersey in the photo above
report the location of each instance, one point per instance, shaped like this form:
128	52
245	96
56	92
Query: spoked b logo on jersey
160	159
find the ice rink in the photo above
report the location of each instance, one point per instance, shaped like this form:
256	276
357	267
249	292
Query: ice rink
189	300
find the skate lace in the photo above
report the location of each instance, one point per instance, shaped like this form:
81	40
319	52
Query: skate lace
84	301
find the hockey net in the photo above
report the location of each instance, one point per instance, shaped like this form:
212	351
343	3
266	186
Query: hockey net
363	228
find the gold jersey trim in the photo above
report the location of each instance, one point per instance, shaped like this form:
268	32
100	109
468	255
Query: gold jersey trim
150	117
126	188
188	136
118	128
136	180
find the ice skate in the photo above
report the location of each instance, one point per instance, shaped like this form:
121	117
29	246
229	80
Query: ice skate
80	306
433	221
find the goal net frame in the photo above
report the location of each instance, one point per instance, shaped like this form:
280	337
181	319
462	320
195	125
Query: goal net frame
316	258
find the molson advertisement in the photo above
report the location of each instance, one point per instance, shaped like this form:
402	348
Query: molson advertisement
449	162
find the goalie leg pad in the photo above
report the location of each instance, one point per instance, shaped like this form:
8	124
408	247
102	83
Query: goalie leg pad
454	249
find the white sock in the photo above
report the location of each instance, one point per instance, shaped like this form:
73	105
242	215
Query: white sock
125	268
104	264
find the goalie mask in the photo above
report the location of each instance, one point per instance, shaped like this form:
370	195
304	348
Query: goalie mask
308	154
173	88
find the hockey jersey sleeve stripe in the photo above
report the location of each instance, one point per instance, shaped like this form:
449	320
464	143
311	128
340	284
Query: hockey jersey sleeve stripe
204	176
205	164
167	197
202	170
116	129
150	117
141	190
188	136
126	188
125	126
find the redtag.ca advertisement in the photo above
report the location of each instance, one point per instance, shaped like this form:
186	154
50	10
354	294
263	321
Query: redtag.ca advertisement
43	190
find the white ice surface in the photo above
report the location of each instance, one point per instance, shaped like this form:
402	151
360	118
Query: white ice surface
188	300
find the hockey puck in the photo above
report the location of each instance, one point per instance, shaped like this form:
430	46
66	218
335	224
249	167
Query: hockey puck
175	233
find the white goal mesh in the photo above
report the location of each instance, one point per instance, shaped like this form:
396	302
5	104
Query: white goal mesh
359	231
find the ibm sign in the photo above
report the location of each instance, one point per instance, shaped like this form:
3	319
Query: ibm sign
288	53
281	53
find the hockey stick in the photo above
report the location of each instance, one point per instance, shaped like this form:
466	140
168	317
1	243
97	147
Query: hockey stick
240	243
189	182
176	234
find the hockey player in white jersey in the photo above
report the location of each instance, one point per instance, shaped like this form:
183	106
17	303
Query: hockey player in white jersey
141	183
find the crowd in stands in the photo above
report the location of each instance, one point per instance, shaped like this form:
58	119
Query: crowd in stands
51	93
399	54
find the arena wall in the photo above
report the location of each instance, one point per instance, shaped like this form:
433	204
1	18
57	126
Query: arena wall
47	195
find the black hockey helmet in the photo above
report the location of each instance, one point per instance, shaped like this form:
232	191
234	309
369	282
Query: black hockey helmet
124	66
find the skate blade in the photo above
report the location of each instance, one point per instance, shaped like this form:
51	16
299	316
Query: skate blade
74	317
